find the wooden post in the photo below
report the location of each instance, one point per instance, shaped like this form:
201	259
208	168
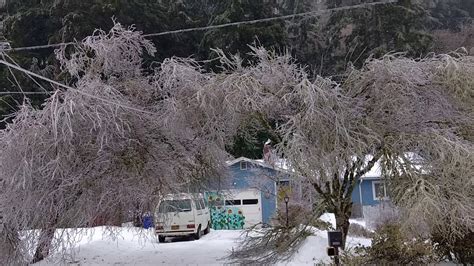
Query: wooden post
336	256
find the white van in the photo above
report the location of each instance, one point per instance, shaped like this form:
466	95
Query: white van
182	214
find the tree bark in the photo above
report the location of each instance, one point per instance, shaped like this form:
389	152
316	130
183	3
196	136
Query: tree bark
342	224
45	240
44	243
337	195
10	253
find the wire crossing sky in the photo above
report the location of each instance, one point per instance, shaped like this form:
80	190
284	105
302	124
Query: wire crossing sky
210	27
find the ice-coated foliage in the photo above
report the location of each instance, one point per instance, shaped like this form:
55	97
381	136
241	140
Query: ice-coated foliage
120	137
423	112
113	143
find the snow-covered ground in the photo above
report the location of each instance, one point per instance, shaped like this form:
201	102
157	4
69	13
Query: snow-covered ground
134	246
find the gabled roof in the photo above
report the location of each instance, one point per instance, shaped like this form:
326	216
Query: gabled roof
376	171
261	163
282	165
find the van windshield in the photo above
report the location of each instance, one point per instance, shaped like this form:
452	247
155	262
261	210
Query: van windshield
175	206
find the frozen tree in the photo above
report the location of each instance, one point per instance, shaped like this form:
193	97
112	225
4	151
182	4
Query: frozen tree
422	110
115	140
121	137
414	117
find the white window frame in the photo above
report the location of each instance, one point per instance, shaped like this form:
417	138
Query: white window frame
242	163
374	194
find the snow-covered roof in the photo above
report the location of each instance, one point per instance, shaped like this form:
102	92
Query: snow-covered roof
376	171
280	164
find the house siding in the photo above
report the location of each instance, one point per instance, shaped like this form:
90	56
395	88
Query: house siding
374	212
365	189
258	177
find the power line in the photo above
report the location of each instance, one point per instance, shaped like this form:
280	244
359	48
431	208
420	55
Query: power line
71	88
25	92
225	25
37	47
303	14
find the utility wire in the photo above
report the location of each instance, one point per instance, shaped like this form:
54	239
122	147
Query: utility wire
303	14
71	88
225	25
37	47
25	92
237	23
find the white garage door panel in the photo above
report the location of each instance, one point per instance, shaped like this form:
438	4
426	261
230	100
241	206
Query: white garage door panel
250	202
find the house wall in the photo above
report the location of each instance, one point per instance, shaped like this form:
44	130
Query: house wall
258	177
374	212
366	192
376	215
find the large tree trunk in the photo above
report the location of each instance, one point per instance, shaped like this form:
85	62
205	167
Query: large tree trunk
341	206
44	244
342	224
10	252
337	195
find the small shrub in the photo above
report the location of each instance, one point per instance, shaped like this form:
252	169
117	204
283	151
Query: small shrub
354	256
390	245
360	231
459	249
297	215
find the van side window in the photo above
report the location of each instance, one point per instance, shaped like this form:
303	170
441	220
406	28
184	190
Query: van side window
203	203
183	205
198	204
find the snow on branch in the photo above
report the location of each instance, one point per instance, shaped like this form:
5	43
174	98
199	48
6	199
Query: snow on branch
83	157
79	158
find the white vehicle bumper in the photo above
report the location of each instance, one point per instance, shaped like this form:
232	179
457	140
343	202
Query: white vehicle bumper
184	232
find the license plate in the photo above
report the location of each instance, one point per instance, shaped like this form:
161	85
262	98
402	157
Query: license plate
174	227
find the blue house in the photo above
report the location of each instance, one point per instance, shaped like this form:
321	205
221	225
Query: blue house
248	196
252	191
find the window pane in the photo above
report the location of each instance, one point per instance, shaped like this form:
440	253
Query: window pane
379	190
250	201
232	202
175	206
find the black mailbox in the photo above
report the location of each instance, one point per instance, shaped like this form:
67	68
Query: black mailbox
335	238
331	251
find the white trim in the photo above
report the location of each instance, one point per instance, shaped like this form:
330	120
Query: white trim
232	162
374	195
276	196
370	178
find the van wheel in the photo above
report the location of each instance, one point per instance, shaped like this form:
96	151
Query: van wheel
161	239
197	235
208	229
